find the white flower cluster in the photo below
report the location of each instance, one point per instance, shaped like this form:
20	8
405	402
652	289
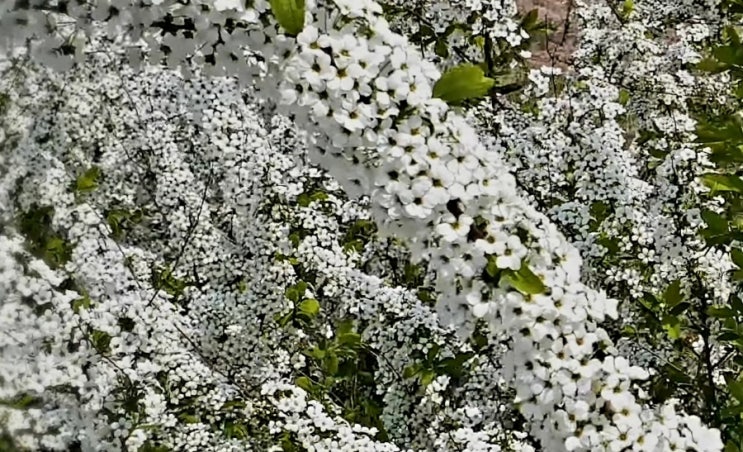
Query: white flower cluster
607	150
455	30
185	358
364	97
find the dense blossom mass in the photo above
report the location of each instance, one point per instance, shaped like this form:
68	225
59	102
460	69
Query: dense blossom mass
260	225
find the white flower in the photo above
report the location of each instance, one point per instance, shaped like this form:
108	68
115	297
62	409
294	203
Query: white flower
453	228
223	5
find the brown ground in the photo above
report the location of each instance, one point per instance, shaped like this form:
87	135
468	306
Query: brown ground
559	46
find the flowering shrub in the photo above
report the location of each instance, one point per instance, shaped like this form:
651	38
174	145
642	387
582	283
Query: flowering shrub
277	225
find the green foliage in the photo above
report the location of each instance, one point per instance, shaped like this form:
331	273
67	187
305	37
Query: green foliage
162	278
717	230
304	309
101	341
342	369
22	402
305	199
296	291
464	82
121	221
722	133
88	181
724	137
309	307
524	280
41	239
81	303
432	366
289	14
734	7
672	296
628	7
624	97
666	312
723	182
149	446
7	443
4	103
358	235
235	429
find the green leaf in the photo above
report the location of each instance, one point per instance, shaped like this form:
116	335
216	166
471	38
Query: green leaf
530	19
287	443
624	96
723	182
88	181
524	280
411	371
114	219
672	325
289	14
316	352
711	65
235	430
331	363
305	383
492	268
284	320
188	418
461	83
719	136
730	446
672	294
350	339
728	336
426	295
680	308
81	303
305	199
236	404
730	31
345	327
427	377
599	210
442	48
716	222
412	274
737	256
432	353
22	401
310	306
730	55
627	8
101	341
721	312
295	292
319	196
508	81
612	245
242	285
736	303
163	279
120	220
57	251
151	447
736	390
453	366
